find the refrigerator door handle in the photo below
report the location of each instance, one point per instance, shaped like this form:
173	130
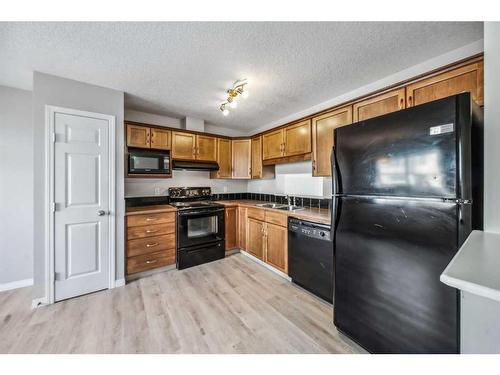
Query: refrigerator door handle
335	180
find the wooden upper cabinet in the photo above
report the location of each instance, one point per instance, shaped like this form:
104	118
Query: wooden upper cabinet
468	78
183	145
388	102
230	222
255	238
206	148
138	136
242	158
161	139
272	145
224	159
322	130
276	246
297	138
256	157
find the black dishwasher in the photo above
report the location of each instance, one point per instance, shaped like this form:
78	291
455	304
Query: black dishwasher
310	257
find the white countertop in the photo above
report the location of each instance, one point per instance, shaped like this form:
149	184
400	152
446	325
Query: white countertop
476	266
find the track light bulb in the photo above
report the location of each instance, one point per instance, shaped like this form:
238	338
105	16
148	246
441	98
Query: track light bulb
233	103
225	111
244	94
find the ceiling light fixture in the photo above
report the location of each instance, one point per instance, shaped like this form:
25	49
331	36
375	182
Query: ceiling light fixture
238	89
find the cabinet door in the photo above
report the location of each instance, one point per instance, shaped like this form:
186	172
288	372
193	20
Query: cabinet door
467	78
272	145
242	228
257	157
276	246
230	221
206	148
322	129
224	158
297	138
242	158
161	139
255	240
379	105
183	145
138	136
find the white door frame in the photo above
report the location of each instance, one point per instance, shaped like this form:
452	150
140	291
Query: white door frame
50	112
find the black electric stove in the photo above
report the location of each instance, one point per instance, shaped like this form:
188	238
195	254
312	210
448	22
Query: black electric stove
200	226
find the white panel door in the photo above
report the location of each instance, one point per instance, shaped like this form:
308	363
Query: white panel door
81	196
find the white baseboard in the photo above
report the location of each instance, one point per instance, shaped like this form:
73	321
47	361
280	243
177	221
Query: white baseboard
119	283
271	268
16	284
38	302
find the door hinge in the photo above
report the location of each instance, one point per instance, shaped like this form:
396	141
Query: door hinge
57	276
54	137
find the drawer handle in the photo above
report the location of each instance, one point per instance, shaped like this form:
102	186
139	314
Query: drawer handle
152	231
152	244
151	218
151	261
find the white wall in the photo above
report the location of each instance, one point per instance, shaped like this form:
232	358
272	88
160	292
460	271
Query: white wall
52	90
146	186
16	188
294	179
492	126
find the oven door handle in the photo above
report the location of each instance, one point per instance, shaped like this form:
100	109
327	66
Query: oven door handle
206	212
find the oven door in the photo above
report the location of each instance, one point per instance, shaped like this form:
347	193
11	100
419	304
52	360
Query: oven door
199	227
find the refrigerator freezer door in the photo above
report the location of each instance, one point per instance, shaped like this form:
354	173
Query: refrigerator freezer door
410	153
389	254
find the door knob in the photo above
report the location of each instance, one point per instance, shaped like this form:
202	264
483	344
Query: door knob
101	213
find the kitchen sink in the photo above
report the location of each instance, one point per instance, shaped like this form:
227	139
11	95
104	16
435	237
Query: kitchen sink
271	205
290	208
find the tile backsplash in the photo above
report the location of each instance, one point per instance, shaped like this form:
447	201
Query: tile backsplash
273	198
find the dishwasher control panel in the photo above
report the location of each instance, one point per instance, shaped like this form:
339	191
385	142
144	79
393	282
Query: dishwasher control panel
318	231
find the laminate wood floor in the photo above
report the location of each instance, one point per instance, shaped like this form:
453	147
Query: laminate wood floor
230	306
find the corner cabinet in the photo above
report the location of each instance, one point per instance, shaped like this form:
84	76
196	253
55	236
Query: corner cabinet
289	141
379	105
224	159
322	135
242	158
259	170
206	148
467	78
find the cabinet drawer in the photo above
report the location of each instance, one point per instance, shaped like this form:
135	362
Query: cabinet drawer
147	219
150	245
149	261
256	213
150	230
276	218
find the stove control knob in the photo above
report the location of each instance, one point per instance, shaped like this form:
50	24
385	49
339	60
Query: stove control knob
322	234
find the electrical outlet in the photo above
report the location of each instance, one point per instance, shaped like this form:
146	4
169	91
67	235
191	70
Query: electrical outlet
225	189
157	191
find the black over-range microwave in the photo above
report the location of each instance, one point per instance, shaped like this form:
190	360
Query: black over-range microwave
148	162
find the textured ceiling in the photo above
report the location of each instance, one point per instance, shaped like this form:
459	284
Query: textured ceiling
183	69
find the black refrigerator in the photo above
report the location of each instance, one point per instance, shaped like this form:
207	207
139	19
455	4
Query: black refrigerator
407	191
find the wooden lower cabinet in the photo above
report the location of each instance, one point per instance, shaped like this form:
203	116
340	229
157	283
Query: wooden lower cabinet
267	237
242	228
255	240
150	241
276	246
230	227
